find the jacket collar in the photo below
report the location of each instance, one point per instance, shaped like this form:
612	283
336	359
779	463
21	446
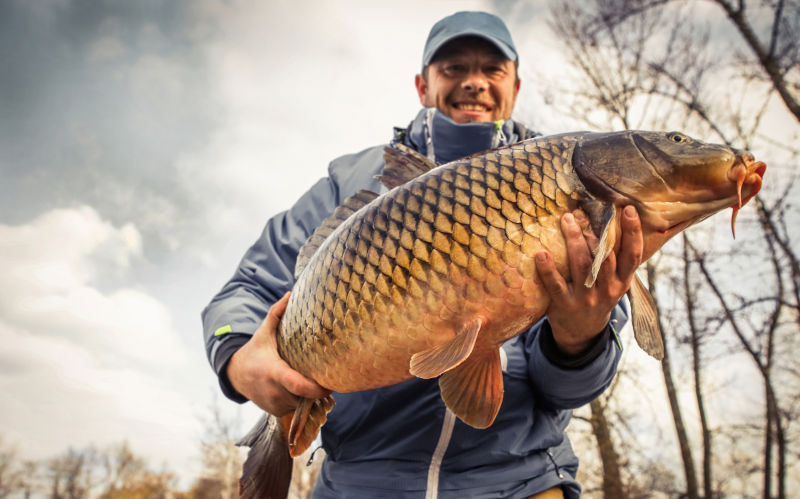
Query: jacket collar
442	140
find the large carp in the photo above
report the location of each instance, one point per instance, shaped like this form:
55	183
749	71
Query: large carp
430	278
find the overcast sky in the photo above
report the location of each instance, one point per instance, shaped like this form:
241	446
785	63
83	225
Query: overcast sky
142	146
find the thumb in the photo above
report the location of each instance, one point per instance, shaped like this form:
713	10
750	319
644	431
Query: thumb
297	384
276	312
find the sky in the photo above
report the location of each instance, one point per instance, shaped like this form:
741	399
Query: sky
142	147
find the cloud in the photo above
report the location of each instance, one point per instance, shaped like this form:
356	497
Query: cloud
82	364
97	103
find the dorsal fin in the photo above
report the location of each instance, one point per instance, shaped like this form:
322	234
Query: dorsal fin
402	164
340	214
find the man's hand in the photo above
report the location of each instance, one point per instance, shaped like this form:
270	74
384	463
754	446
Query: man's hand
257	371
577	314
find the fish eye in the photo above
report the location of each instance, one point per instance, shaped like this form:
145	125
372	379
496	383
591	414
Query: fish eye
678	138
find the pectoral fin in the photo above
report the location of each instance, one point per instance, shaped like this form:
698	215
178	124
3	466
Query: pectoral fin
433	362
474	389
606	218
645	320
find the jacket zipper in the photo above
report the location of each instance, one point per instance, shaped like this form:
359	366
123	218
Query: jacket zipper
432	489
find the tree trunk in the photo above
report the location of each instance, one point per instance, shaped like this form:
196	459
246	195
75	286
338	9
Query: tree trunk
680	430
672	395
696	368
612	479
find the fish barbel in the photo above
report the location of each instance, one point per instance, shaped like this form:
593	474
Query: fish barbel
430	278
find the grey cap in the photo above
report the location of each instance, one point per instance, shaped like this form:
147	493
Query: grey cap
469	23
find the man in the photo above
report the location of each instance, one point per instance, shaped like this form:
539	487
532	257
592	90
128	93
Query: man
400	441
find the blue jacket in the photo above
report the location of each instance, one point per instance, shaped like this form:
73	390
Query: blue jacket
401	441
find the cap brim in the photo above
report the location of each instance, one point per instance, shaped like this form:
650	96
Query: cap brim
504	49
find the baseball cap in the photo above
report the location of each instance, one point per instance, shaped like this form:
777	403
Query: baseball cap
469	23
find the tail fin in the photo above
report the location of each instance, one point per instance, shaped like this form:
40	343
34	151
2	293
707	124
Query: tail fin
267	472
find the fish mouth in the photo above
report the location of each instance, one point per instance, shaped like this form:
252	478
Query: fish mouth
745	176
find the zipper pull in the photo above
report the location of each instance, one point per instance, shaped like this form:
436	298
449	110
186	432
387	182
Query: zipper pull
499	136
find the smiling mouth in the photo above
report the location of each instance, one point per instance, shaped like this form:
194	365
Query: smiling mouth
471	106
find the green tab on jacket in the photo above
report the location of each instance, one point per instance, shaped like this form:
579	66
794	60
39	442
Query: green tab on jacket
223	330
616	337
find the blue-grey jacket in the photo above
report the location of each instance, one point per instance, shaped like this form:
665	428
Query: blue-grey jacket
401	441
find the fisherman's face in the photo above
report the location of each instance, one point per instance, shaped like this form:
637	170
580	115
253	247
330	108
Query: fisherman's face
470	80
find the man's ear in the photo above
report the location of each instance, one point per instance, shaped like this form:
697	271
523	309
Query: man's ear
422	88
516	90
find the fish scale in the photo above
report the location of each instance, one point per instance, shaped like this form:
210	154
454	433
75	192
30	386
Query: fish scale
404	273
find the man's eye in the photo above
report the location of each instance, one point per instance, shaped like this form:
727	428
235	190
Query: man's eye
455	68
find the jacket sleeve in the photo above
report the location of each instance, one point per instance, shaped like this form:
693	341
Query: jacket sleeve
564	382
265	273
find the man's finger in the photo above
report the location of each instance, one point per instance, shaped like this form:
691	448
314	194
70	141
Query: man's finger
578	255
297	384
630	253
552	280
278	402
586	228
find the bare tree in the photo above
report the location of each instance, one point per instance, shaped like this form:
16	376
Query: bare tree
11	470
777	53
612	477
656	64
121	466
74	474
695	340
145	483
222	459
687	458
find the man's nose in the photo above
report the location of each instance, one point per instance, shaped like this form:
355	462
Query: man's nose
475	82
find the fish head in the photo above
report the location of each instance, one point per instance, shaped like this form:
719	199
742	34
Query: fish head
674	181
